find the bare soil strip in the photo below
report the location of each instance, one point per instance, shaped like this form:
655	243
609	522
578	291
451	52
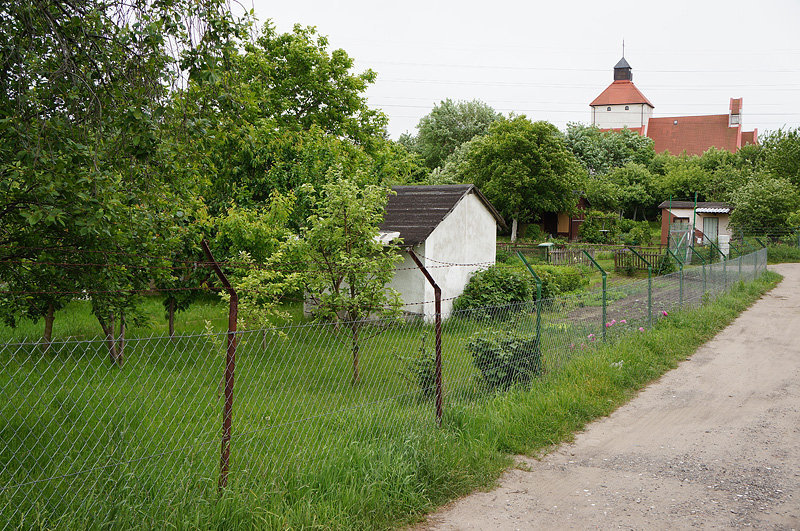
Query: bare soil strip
714	443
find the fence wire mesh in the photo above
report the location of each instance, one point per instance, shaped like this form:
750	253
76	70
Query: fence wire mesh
83	440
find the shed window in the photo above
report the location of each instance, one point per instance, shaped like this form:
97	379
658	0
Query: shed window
608	108
627	108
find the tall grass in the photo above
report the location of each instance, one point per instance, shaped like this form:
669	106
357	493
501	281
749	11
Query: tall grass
309	449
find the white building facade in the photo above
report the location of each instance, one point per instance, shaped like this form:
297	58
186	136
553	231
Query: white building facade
452	230
621	104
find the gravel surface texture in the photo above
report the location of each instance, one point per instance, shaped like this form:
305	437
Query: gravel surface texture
714	443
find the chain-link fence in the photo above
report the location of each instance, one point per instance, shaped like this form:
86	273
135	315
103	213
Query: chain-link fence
85	442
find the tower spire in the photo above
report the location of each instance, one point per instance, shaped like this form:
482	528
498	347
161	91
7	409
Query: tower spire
623	48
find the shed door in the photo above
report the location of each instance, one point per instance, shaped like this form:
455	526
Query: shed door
711	229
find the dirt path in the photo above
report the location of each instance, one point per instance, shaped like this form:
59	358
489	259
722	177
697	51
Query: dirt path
714	443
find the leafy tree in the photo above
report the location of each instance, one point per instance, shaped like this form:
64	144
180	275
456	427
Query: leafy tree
523	168
602	193
449	125
600	152
599	227
265	270
781	150
636	187
84	158
454	167
683	176
281	112
764	203
348	268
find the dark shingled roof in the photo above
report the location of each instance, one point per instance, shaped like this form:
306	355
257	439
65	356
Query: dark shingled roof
415	211
622	64
700	204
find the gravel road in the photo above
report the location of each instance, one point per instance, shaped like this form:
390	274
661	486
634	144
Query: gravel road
714	443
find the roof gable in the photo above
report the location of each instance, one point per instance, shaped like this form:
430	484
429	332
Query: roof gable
621	92
415	211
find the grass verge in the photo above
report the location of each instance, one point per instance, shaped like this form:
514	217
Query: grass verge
362	468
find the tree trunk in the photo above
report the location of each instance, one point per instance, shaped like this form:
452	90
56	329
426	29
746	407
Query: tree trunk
635	211
48	327
121	342
171	317
108	330
514	230
354	337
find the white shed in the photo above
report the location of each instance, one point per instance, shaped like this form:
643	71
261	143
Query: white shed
453	231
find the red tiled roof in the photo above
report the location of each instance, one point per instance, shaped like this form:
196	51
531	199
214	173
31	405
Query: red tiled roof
693	134
750	137
637	130
620	92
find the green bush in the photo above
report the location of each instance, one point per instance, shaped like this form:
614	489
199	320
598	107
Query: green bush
666	265
625	225
420	369
534	233
506	357
499	285
562	279
639	234
783	253
503	255
599	227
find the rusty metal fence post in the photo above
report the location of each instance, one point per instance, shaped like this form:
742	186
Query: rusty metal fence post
230	369
437	293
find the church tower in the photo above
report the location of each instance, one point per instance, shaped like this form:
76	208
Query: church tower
622	104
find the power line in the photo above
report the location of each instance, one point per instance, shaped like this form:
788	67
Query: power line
574	110
567	69
578	85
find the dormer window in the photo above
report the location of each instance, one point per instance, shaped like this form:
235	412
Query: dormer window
627	108
608	108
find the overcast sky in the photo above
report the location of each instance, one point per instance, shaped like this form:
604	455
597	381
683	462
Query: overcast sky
548	60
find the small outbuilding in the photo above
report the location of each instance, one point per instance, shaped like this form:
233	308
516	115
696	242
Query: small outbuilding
453	231
711	222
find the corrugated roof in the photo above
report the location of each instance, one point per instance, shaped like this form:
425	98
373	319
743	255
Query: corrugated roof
700	204
713	210
620	92
415	211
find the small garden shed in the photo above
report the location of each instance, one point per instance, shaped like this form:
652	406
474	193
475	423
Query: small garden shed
447	226
712	221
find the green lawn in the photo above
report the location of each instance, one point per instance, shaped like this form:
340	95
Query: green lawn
87	444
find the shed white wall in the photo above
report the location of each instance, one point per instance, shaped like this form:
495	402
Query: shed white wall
637	115
724	219
467	236
408	280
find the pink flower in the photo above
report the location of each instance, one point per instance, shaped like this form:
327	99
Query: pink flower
641	329
664	313
623	321
591	336
613	322
572	345
608	325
